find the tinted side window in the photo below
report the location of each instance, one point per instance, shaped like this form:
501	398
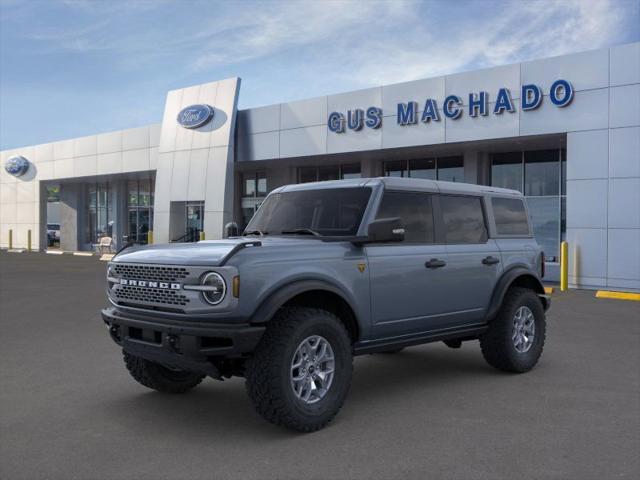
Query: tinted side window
510	215
463	219
415	212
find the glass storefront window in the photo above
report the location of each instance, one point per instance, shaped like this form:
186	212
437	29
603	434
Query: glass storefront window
396	169
423	168
545	217
507	171
99	212
451	169
254	184
328	172
351	171
541	176
542	173
140	206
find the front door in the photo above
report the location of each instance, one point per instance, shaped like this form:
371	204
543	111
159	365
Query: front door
407	291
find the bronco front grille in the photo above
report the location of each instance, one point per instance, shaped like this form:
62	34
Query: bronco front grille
151	272
158	296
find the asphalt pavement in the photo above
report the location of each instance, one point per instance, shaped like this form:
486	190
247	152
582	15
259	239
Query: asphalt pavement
69	410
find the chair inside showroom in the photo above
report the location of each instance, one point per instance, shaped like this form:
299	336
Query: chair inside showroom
104	245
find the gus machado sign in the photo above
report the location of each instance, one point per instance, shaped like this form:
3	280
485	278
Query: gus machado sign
560	95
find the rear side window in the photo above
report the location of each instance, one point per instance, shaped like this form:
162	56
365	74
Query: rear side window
463	219
415	212
510	216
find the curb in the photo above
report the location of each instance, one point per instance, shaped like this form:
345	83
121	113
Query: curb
634	297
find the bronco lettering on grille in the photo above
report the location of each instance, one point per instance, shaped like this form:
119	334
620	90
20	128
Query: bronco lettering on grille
150	284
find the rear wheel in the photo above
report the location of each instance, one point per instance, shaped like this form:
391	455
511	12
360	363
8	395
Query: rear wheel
158	377
515	338
300	372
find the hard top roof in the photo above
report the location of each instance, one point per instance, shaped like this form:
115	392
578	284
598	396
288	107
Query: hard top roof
396	183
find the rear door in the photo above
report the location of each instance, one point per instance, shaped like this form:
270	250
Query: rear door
407	289
474	261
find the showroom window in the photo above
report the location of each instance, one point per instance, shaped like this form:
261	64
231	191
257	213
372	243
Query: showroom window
450	169
99	212
541	176
328	172
254	190
139	209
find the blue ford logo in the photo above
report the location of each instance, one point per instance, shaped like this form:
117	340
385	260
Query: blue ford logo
17	166
195	116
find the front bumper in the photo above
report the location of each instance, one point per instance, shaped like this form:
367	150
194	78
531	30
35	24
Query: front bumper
186	345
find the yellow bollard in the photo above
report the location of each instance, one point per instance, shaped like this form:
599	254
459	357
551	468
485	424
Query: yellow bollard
150	237
202	235
29	240
564	266
10	239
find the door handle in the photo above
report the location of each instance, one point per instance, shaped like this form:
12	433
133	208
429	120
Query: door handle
435	263
490	260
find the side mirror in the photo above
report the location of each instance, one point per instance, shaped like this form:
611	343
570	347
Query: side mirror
231	230
385	230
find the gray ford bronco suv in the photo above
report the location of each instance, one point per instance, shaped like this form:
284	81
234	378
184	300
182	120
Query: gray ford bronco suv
323	272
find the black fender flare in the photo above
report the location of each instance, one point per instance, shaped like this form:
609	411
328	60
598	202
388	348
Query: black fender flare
272	303
506	280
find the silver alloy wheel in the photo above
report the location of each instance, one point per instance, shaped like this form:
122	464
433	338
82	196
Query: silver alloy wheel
524	329
312	369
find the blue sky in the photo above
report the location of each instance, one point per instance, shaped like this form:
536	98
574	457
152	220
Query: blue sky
80	67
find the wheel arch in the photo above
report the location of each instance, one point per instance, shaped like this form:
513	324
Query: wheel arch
518	276
312	294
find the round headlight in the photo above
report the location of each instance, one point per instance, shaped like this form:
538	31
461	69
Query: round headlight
215	288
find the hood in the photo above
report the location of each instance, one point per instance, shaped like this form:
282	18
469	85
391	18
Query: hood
211	253
206	253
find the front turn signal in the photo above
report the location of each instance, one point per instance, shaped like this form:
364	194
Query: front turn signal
236	286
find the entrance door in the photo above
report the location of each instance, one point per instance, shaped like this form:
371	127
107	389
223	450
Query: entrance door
408	294
195	221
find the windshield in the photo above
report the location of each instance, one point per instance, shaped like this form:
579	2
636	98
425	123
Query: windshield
326	212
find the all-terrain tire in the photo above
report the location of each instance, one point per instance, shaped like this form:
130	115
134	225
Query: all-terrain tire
268	374
155	376
496	343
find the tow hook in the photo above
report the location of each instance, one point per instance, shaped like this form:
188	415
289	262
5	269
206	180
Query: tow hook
172	340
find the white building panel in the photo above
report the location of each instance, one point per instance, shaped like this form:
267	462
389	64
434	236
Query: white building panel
625	106
489	80
585	71
304	113
587	203
587	111
624	152
588	154
625	64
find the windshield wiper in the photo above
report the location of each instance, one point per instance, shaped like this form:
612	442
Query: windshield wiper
301	231
254	232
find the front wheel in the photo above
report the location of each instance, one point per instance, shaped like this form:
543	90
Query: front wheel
300	372
515	338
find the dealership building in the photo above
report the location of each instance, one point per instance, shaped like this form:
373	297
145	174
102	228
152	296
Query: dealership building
565	131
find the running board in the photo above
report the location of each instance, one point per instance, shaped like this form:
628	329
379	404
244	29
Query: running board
389	343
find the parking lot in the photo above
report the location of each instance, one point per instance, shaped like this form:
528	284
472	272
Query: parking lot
68	408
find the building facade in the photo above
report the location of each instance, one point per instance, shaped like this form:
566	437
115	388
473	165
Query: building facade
565	131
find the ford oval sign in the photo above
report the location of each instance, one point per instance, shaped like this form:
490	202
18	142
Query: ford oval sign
195	116
17	166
